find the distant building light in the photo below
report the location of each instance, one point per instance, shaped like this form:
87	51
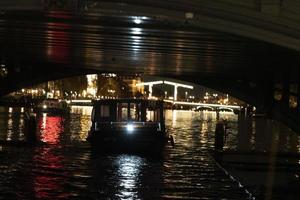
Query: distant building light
189	15
109	74
111	91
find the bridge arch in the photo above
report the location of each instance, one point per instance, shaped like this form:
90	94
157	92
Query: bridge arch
205	108
243	48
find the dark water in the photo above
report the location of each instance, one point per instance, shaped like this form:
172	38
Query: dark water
64	167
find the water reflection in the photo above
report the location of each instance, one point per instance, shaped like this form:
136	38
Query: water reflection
245	135
128	174
80	122
52	177
66	170
259	134
50	128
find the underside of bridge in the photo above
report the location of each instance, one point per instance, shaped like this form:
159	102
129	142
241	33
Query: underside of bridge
248	55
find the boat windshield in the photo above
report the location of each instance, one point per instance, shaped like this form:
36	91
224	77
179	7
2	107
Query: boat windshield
128	111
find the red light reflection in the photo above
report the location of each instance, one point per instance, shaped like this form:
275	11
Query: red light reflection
58	39
49	181
50	128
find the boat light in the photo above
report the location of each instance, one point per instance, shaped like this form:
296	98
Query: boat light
130	128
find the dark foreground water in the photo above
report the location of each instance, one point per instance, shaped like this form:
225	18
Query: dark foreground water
64	167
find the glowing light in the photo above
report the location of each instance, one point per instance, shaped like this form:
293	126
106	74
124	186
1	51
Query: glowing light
45	106
202	104
138	19
178	84
92	85
81	101
130	128
149	83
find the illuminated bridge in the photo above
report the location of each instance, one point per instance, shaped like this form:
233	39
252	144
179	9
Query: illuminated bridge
206	105
248	49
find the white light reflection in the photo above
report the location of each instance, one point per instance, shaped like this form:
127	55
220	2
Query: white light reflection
136	31
44	120
174	117
128	172
138	19
9	129
136	40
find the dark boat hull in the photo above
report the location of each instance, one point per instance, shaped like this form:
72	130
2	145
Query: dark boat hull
121	141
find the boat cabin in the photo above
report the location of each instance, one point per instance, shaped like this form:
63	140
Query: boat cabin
130	114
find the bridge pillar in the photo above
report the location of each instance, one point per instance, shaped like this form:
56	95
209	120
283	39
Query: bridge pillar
150	90
244	131
298	92
175	92
284	103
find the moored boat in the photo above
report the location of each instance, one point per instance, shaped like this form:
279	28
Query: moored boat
128	124
52	106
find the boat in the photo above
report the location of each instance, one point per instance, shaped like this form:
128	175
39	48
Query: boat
128	124
52	106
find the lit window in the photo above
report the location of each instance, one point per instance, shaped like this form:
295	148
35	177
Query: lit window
293	101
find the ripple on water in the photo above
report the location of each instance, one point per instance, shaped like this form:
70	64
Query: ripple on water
64	168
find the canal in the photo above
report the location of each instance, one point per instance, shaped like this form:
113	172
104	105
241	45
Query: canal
65	168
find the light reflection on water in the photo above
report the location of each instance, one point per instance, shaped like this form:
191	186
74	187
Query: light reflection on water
128	169
50	128
65	168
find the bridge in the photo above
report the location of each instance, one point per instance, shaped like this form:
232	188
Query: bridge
249	49
176	85
210	106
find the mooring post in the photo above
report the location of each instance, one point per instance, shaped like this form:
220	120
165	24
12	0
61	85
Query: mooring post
30	130
219	136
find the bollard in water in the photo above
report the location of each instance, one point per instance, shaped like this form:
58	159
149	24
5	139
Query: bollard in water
219	136
30	131
172	141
